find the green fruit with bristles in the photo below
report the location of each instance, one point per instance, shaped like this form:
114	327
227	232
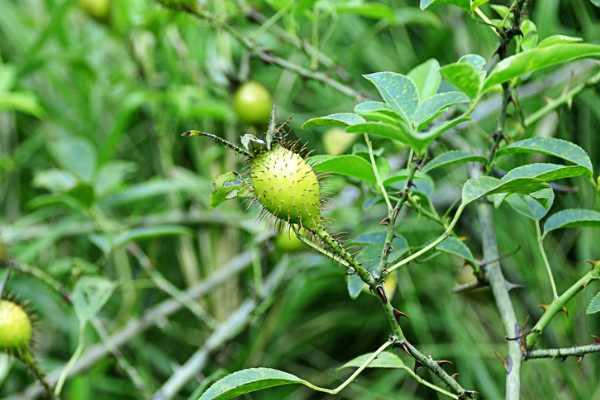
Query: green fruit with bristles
287	187
15	326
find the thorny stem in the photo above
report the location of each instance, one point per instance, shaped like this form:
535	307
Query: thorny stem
559	304
484	210
393	214
575	351
430	245
367	278
27	358
539	238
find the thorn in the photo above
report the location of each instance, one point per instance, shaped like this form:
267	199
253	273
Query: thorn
396	210
594	263
596	339
544	307
454	375
442	362
385	221
504	362
585	285
398	314
566	311
510	286
382	294
580	358
417	365
406	349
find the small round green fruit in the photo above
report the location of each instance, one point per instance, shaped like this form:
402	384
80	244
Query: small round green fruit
252	103
15	326
97	9
336	140
287	187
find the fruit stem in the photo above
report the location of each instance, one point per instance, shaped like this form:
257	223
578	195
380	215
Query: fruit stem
27	358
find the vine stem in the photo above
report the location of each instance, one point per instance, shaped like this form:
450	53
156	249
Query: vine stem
538	234
575	351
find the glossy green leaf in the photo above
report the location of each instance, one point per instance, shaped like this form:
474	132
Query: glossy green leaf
453	157
248	381
90	295
464	76
551	146
347	164
435	105
398	91
339	119
541	57
475	189
389	131
476	61
76	155
427	78
529	205
529	38
452	245
558	39
464	4
386	359
572	218
547	172
594	305
425	138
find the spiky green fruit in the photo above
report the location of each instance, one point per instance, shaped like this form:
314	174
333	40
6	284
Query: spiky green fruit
287	187
15	326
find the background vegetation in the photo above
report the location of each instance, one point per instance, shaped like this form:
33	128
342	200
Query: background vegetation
95	180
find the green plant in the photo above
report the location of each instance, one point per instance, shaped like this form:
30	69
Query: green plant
15	326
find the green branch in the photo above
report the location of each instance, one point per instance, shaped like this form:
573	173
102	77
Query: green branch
560	303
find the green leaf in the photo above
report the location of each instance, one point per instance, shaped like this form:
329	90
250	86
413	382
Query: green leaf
386	359
347	164
228	186
425	138
594	305
596	2
339	119
378	110
464	76
558	39
547	172
452	245
541	57
25	102
452	157
370	10
551	146
476	61
529	206
398	91
572	218
464	4
76	155
427	78
111	175
248	381
389	131
435	105
90	295
55	180
475	189
530	36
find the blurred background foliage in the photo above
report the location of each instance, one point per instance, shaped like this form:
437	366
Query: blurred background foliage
96	180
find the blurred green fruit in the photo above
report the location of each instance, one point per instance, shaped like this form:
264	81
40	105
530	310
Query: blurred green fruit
97	9
253	103
336	141
15	326
287	240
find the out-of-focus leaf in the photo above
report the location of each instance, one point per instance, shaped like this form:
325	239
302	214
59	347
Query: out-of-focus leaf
452	157
90	295
385	359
